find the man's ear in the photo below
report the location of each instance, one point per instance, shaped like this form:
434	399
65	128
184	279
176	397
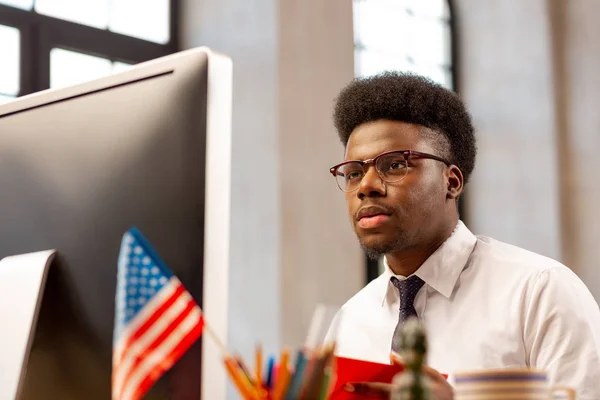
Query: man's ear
455	182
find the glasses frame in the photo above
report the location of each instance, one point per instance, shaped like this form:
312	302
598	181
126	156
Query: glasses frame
405	153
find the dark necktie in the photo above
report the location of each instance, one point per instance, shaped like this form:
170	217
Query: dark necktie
408	290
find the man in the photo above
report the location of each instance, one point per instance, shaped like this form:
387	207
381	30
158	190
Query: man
410	149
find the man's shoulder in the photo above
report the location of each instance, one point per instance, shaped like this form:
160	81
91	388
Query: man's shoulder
372	293
511	258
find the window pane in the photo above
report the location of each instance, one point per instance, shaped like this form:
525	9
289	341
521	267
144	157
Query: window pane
10	55
120	67
88	12
429	41
370	62
440	75
356	6
429	8
403	35
69	67
5	99
448	79
144	19
380	24
24	4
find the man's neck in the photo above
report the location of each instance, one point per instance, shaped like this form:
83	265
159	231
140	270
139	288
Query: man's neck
406	263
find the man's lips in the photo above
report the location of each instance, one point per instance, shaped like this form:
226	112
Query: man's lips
373	221
372	216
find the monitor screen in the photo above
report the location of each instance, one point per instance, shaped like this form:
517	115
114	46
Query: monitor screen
79	166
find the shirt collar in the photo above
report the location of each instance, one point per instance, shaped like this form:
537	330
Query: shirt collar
442	269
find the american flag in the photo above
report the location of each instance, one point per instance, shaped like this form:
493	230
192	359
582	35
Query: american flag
156	319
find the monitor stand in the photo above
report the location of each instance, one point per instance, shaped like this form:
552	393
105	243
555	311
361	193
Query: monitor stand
22	283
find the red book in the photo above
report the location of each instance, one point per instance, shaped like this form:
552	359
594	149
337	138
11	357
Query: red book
351	370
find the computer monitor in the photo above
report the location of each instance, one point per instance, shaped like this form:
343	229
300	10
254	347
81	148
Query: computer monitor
148	147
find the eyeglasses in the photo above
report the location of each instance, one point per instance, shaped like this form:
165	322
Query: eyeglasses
392	166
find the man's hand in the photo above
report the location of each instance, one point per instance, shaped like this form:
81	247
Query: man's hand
441	389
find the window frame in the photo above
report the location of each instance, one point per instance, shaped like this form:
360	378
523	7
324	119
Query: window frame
41	33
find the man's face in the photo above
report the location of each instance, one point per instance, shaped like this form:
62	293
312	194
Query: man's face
405	214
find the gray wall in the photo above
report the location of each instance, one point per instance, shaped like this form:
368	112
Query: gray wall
506	80
577	81
529	73
247	31
321	260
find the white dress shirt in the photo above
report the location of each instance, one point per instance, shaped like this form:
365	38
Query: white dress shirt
486	304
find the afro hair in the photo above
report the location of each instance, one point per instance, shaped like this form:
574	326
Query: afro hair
412	99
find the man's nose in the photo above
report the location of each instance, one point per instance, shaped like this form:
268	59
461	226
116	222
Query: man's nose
371	184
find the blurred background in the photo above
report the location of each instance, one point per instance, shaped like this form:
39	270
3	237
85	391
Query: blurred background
527	70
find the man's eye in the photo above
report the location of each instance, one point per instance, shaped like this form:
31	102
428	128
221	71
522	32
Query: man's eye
396	165
353	175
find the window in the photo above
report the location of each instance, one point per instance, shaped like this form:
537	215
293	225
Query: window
404	35
70	67
53	43
121	16
24	4
89	12
4	98
9	67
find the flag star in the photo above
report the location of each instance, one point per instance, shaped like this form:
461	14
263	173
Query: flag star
162	280
129	312
133	270
136	260
138	250
155	270
143	281
153	282
131	291
133	280
142	300
145	271
131	304
143	290
146	260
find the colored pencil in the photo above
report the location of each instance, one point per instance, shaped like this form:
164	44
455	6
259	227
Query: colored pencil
259	363
283	376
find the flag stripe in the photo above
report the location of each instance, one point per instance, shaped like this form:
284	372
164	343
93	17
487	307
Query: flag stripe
177	352
152	362
156	315
150	342
166	296
137	348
